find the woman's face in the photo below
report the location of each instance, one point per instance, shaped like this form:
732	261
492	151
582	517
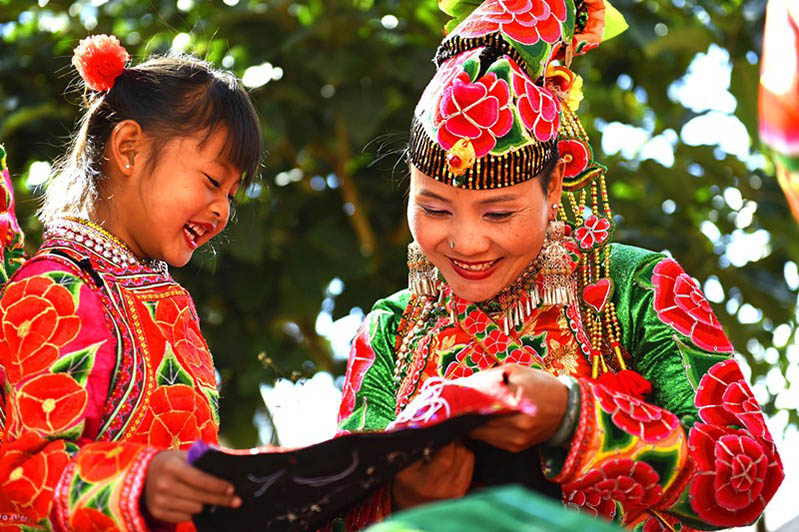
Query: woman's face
496	233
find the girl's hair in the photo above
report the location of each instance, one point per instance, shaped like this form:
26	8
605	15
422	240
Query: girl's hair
176	95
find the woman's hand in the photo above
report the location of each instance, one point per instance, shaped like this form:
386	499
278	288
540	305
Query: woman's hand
517	432
447	475
174	491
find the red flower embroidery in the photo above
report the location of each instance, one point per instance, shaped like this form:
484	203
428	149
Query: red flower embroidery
479	357
594	232
526	21
626	381
538	107
99	60
590	502
680	303
633	484
50	404
576	154
38	319
180	416
737	475
103	460
92	520
724	398
477	111
183	332
456	370
648	422
29	473
496	342
522	356
361	359
475	322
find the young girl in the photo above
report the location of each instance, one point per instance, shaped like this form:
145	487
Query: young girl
106	378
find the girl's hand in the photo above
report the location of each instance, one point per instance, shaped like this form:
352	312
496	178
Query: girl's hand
517	432
447	475
174	491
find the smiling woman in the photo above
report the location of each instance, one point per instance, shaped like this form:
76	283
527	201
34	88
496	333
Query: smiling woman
643	417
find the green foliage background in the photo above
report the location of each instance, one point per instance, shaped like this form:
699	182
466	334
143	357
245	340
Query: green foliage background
339	116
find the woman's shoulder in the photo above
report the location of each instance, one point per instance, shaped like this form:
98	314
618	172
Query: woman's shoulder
626	260
393	305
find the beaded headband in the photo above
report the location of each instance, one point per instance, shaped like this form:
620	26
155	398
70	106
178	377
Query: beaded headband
489	118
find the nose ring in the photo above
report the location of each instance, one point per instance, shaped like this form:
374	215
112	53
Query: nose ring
451	244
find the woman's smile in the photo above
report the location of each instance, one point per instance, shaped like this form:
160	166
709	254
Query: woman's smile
474	271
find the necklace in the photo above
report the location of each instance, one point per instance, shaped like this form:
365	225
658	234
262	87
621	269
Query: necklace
516	302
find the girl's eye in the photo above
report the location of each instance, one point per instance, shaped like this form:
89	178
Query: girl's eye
498	215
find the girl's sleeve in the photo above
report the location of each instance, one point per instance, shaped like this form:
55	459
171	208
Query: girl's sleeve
697	451
57	358
369	397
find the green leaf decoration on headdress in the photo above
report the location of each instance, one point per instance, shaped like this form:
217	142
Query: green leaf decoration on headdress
614	22
458	10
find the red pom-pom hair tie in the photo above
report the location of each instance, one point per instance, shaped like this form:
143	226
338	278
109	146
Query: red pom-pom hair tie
100	59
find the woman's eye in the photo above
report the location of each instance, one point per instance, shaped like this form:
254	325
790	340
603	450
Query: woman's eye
434	212
498	215
213	181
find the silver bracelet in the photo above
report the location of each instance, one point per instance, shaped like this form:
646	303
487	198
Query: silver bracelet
569	421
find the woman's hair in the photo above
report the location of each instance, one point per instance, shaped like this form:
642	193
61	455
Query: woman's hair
170	96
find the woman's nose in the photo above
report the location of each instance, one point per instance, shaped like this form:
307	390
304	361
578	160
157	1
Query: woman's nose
467	240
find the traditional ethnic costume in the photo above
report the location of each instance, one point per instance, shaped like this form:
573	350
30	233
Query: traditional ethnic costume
666	431
102	365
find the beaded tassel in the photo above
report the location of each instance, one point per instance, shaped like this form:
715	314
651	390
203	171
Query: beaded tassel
422	275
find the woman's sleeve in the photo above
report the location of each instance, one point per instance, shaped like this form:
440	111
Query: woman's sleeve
698	450
368	399
57	359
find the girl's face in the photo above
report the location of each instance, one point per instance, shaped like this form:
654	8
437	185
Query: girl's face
167	209
496	233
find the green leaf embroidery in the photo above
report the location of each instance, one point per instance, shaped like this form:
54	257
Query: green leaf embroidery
696	362
71	282
78	489
533	54
151	306
643	274
100	501
77	364
170	371
213	401
615	437
472	68
664	463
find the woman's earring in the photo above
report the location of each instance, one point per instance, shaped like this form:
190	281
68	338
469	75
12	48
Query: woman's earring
422	275
557	266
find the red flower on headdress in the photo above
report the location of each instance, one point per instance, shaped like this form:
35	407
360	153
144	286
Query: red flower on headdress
100	59
538	107
526	21
591	35
594	231
477	111
576	154
680	303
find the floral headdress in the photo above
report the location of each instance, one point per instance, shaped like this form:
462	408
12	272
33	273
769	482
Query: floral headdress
490	116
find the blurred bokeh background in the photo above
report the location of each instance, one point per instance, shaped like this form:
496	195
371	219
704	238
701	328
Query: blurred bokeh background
671	106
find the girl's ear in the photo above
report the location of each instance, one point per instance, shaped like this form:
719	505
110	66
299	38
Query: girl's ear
556	183
125	147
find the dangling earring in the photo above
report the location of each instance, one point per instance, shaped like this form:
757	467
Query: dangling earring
422	275
556	267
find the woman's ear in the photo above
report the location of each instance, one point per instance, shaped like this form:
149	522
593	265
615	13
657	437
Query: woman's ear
124	148
555	188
